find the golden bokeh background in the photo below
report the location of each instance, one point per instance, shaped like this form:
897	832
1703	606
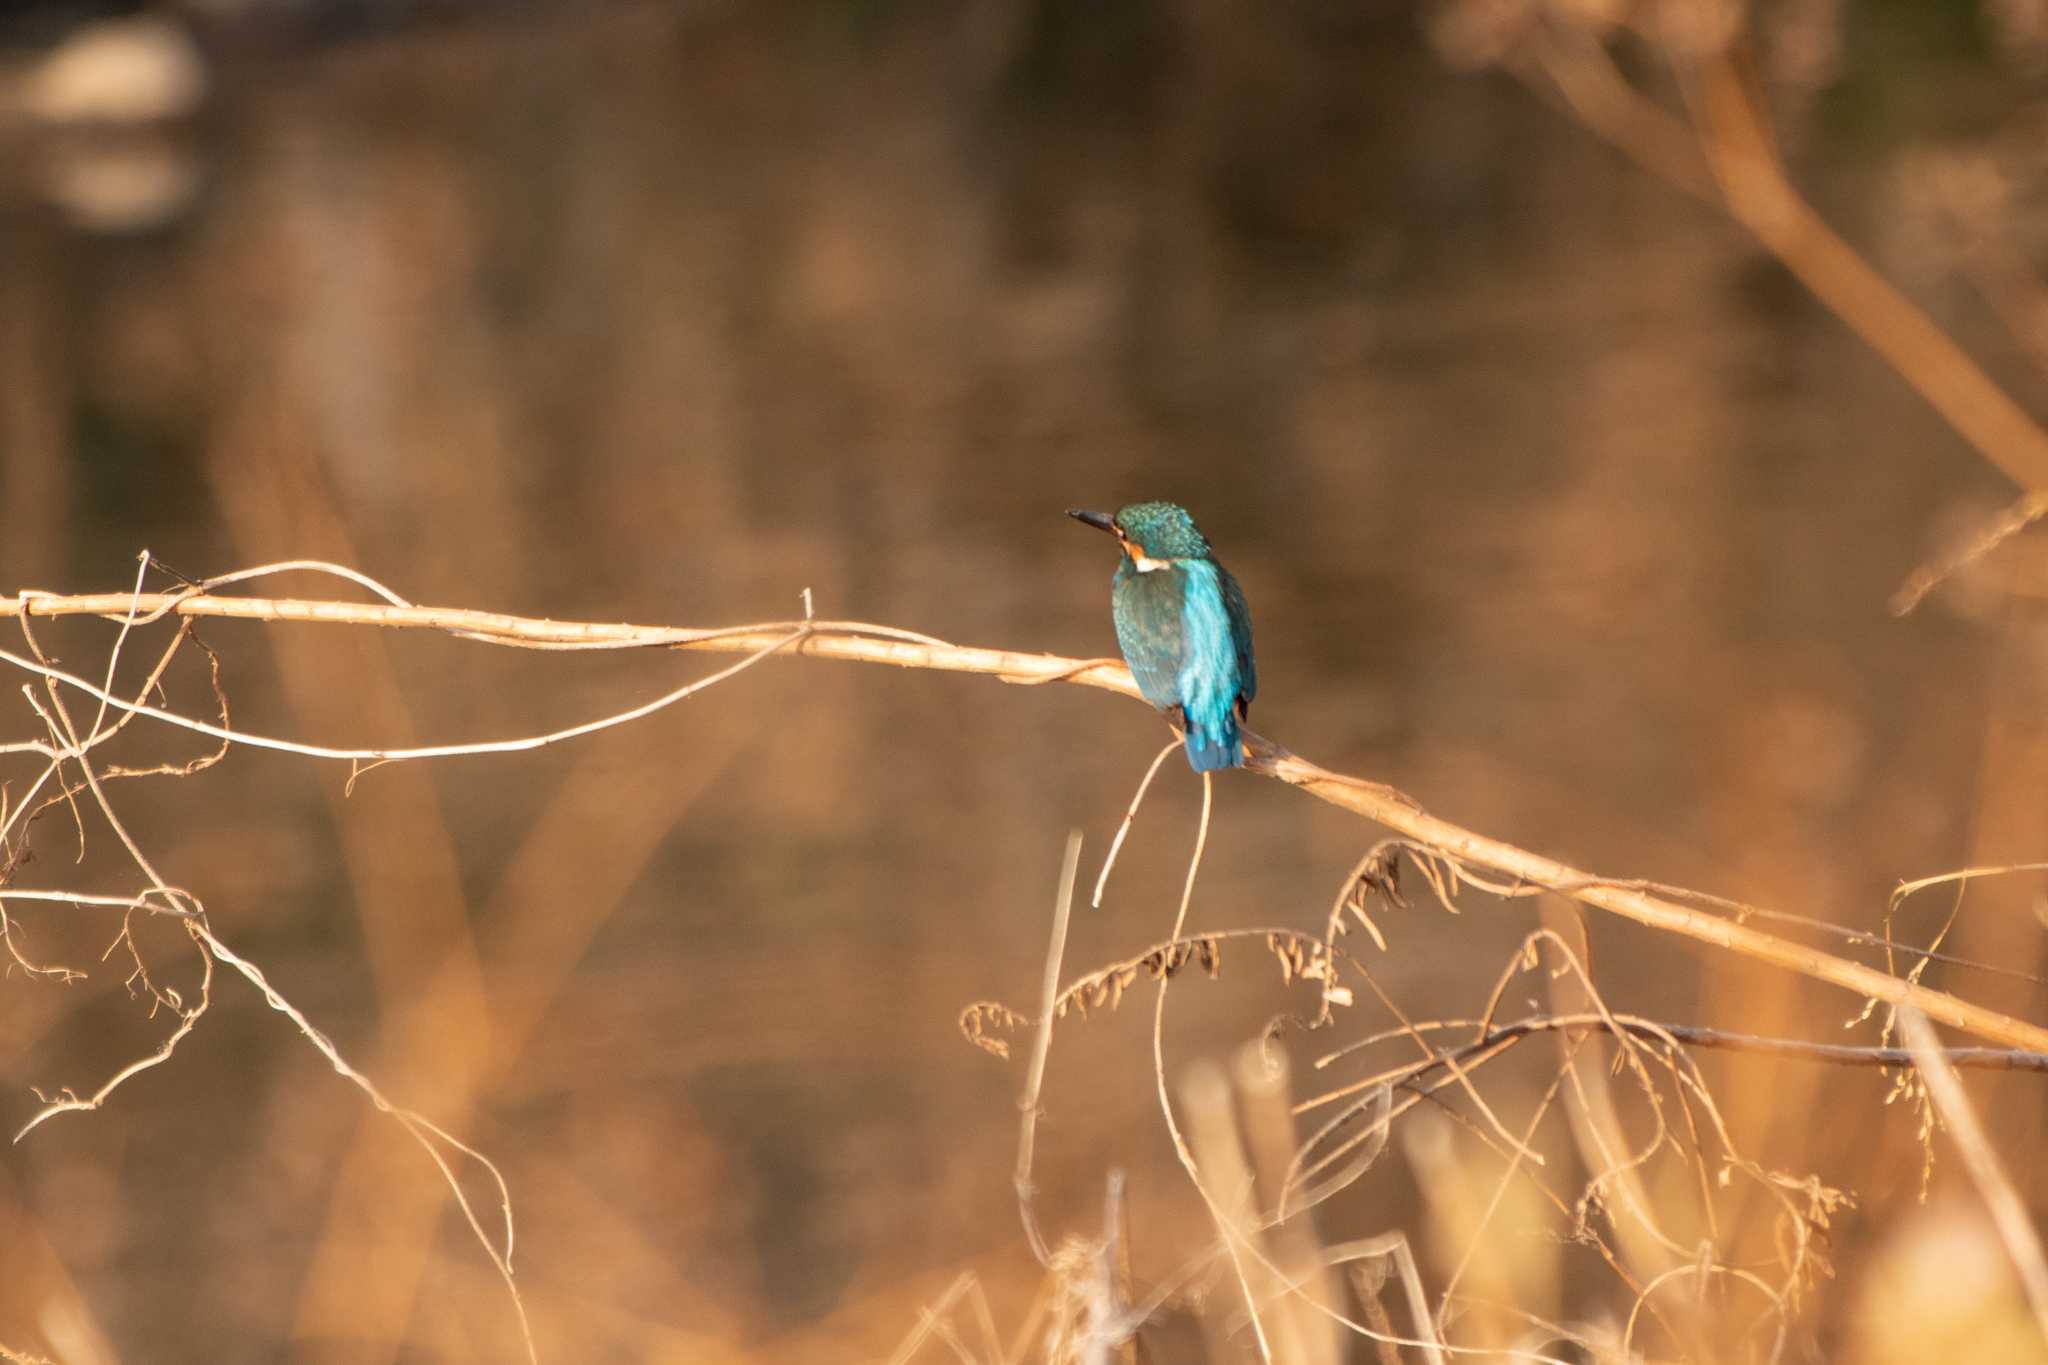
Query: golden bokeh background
1559	502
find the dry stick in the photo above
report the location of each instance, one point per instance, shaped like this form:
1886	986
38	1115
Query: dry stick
2022	1242
1027	1124
1743	912
376	756
1653	911
851	643
487	626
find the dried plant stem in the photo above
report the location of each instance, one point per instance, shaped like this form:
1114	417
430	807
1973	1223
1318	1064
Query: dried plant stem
854	642
2008	1211
1041	1045
1130	813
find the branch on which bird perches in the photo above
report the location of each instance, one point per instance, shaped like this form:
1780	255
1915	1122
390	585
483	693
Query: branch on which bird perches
860	642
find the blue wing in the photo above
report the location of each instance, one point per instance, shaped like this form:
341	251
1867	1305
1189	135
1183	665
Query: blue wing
1212	670
1240	614
1149	630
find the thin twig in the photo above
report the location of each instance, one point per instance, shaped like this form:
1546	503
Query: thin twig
1130	814
378	756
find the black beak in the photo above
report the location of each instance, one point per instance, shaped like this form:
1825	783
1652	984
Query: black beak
1099	520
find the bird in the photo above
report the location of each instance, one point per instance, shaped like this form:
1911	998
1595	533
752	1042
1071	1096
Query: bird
1184	628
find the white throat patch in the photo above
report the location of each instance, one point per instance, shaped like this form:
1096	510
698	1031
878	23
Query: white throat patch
1145	565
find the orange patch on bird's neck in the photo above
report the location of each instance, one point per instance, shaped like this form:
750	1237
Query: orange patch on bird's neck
1143	562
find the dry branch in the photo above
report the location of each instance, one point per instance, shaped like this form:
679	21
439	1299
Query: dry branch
860	643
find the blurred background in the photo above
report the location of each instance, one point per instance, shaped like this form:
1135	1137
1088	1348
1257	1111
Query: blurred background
1558	501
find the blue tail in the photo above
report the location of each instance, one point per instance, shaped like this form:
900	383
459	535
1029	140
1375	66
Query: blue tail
1215	747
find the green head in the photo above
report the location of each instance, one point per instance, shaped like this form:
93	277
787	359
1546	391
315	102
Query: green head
1152	530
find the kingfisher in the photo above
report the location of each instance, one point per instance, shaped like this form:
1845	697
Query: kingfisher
1184	628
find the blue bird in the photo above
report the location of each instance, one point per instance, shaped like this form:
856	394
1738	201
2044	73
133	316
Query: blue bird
1184	628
